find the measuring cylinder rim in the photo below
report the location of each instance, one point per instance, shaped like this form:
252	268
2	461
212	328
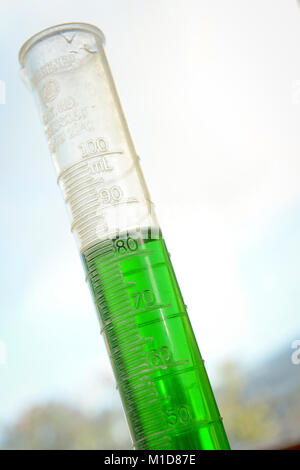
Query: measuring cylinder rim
57	29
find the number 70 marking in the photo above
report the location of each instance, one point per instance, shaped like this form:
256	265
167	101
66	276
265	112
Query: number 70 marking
144	299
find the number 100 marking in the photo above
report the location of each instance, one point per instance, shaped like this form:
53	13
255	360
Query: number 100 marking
93	147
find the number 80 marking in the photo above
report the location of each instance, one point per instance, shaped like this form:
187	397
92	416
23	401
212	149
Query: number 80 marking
125	246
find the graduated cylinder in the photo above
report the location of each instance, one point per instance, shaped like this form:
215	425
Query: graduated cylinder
160	374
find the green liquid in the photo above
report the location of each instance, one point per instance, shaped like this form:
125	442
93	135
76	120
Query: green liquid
166	394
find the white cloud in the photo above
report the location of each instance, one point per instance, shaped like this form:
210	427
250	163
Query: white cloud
59	286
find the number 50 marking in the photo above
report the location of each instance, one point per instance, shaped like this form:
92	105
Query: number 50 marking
180	415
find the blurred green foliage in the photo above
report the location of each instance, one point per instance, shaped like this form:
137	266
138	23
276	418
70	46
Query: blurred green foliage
260	411
57	426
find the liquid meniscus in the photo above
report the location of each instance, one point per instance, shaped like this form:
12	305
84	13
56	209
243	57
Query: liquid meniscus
165	391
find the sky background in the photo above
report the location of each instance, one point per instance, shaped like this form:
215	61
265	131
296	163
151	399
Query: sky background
211	92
